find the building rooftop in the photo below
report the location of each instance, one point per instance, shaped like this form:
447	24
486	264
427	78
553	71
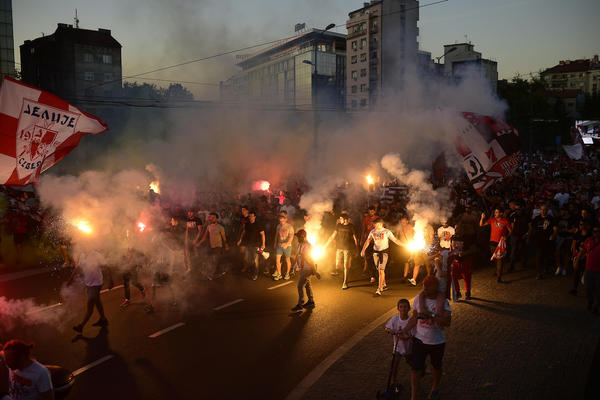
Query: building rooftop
101	37
570	66
365	6
286	44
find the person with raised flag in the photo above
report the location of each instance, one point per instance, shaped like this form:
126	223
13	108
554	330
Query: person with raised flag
38	129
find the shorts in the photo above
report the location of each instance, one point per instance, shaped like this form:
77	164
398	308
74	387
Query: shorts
384	259
93	292
287	252
341	256
408	357
420	352
420	258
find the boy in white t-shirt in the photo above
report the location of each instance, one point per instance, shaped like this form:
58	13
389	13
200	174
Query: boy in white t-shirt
402	340
28	379
381	249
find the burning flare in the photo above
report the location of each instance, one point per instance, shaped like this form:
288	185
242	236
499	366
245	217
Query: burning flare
155	186
418	242
261	185
317	252
84	227
141	226
370	180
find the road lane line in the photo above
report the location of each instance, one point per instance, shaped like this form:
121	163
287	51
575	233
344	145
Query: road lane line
314	375
92	365
228	304
37	310
280	285
169	329
114	288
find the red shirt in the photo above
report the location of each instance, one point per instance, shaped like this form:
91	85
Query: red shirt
592	261
499	228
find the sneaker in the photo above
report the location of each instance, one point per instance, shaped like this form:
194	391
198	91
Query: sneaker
78	328
335	273
499	280
254	277
384	288
149	308
557	272
378	292
458	295
468	296
274	274
125	303
266	273
412	282
372	280
564	272
101	322
277	277
287	277
344	286
309	304
297	307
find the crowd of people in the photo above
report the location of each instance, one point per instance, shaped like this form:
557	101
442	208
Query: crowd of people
545	216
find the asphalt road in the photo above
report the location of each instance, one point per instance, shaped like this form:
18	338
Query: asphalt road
254	348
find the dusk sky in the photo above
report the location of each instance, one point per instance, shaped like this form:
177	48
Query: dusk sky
522	35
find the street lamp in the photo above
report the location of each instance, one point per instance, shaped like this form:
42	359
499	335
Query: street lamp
443	55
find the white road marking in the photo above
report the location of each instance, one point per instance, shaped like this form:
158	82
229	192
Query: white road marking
314	375
169	329
92	365
228	304
114	288
280	285
37	310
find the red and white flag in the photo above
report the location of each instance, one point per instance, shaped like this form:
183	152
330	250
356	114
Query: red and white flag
37	129
489	148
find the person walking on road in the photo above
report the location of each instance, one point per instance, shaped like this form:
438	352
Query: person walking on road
306	267
283	246
252	240
429	336
542	231
345	243
380	238
500	228
89	264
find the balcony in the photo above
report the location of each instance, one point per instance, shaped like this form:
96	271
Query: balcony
352	35
374	29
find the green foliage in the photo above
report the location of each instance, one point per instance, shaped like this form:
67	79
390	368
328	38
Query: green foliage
147	91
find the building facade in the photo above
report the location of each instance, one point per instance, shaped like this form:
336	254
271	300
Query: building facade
74	63
574	75
381	45
461	59
7	45
307	70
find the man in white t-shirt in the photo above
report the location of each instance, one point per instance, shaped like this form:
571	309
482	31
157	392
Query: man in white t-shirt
562	198
28	379
429	335
89	264
445	233
381	249
215	233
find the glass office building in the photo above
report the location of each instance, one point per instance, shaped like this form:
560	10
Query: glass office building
305	71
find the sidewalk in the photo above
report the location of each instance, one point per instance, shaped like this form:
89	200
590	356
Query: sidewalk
525	339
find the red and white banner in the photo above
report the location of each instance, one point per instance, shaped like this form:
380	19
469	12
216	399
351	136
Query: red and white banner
37	129
489	148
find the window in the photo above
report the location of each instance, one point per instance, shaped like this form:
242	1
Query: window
363	103
363	72
354	75
106	59
353	88
353	103
88	76
363	43
108	76
32	50
363	87
353	59
88	58
363	57
354	45
373	55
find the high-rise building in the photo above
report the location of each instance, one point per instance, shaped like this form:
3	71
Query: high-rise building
73	63
381	45
461	59
7	45
305	71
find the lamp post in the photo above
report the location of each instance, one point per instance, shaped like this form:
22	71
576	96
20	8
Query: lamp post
444	55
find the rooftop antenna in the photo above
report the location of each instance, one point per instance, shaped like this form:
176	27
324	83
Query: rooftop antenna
76	20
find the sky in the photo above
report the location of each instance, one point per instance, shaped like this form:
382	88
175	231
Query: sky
523	36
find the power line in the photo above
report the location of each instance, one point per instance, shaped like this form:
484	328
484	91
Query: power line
224	53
